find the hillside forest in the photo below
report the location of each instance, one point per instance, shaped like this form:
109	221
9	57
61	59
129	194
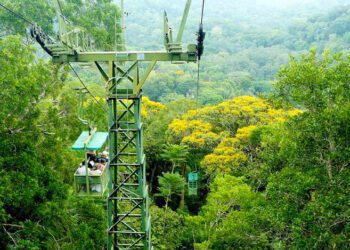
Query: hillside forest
268	133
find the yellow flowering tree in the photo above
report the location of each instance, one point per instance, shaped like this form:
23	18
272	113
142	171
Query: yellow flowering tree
229	156
150	107
194	133
223	131
205	127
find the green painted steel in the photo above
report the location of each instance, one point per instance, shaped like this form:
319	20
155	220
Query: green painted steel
127	213
183	22
193	183
193	176
128	219
95	143
127	56
98	184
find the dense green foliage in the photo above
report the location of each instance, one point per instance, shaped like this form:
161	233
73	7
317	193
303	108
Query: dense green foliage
300	169
270	181
93	16
274	172
37	208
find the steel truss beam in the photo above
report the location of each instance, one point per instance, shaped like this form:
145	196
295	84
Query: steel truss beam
128	218
127	56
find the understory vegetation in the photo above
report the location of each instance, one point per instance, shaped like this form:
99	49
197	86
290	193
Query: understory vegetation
272	159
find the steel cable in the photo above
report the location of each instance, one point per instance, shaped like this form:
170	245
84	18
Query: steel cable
84	85
16	14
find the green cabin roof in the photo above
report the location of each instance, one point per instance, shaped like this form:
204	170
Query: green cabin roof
193	176
96	142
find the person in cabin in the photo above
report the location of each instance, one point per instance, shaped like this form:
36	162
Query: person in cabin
104	156
91	154
82	169
101	166
91	164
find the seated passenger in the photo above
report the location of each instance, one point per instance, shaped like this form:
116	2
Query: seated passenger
101	166
103	157
91	154
92	163
97	169
82	169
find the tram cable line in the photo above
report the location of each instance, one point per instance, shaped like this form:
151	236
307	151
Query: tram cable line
16	14
85	87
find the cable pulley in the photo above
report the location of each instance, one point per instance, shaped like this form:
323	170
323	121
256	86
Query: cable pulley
200	35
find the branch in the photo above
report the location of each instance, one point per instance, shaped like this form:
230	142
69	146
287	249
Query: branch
14	130
11	225
13	240
53	237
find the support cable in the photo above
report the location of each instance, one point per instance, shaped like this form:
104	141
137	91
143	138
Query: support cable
16	14
60	6
203	3
197	86
61	11
84	85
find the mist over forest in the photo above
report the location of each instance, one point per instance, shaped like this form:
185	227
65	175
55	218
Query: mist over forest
244	40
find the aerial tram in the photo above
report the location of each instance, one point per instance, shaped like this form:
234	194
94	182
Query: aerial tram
91	178
192	183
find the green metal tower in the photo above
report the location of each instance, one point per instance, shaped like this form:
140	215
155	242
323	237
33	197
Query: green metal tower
128	217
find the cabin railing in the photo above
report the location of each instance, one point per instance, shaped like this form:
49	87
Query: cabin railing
81	185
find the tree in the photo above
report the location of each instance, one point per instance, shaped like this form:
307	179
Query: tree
40	12
169	236
313	83
170	184
233	217
96	17
36	208
314	170
176	154
156	125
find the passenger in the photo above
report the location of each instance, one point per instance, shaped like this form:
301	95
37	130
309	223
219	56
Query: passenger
91	164
101	166
96	187
91	155
82	169
104	156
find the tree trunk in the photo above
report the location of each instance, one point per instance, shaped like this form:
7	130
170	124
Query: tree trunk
182	201
165	213
153	171
173	169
